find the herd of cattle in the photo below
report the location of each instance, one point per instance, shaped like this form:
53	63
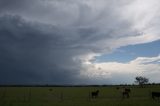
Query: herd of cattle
126	93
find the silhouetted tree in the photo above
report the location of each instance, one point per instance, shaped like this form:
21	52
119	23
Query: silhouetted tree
141	80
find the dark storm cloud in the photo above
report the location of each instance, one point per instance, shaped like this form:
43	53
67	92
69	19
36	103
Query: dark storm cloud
14	5
29	55
35	53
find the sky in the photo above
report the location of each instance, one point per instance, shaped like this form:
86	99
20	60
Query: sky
79	41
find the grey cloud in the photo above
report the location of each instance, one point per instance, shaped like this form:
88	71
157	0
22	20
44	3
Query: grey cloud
29	55
14	5
32	52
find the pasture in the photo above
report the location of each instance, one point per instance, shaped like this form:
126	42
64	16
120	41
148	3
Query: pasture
76	96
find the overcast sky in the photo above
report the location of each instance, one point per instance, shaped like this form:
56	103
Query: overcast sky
79	41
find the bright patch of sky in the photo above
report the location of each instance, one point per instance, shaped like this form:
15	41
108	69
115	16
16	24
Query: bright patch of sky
128	53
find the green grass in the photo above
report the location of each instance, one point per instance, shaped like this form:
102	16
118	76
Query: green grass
75	96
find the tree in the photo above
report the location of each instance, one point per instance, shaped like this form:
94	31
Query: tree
141	80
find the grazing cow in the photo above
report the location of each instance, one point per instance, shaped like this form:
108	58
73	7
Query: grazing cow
95	94
125	92
155	94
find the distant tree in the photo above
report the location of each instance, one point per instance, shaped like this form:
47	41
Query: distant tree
141	80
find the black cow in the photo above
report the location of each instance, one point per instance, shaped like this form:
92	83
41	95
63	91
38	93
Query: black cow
126	92
155	95
94	94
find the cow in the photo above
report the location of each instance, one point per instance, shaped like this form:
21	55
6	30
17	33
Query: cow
95	94
125	92
155	95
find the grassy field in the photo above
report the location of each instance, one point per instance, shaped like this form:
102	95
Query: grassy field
75	96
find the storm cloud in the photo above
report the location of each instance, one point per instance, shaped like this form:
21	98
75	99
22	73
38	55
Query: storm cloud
51	41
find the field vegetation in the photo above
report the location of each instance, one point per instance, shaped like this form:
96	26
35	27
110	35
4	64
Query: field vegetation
77	96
